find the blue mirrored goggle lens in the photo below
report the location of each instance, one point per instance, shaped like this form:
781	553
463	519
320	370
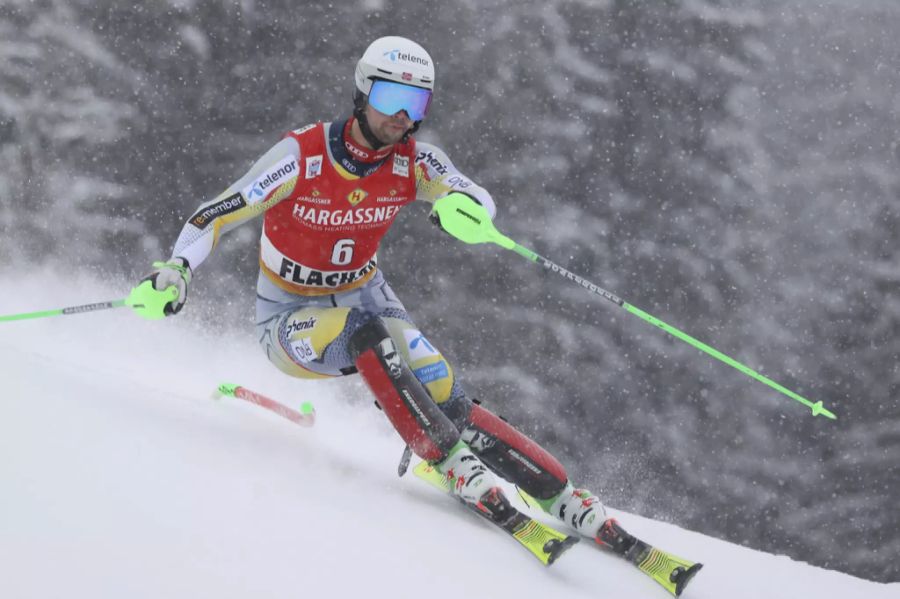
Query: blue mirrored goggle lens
390	98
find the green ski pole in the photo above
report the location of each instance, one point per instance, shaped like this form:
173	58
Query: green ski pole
66	311
470	223
142	299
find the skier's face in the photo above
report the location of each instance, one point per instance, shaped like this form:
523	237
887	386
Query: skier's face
388	128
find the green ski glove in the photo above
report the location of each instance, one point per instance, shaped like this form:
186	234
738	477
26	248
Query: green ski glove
163	292
464	218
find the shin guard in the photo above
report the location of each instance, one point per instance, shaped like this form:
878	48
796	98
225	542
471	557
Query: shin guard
424	427
514	456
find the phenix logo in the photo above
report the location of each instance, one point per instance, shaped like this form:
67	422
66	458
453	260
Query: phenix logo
397	55
296	326
429	159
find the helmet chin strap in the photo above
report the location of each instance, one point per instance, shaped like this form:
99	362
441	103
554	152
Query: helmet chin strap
360	100
410	131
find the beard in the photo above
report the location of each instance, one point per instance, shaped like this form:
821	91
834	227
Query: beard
389	135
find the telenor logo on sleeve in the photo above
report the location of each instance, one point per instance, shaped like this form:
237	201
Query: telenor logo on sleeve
280	172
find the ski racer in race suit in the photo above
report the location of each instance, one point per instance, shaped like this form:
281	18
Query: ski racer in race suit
328	193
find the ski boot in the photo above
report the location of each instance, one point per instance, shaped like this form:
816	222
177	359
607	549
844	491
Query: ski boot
467	478
474	484
584	512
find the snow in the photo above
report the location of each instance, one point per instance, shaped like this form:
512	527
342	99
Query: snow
122	478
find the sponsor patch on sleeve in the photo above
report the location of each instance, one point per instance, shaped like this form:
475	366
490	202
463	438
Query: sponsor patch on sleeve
433	166
269	180
207	214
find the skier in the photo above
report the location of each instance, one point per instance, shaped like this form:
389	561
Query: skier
328	193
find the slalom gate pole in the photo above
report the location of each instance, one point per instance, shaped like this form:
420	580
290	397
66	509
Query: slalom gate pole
305	417
470	223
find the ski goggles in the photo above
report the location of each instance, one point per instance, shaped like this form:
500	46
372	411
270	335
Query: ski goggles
388	97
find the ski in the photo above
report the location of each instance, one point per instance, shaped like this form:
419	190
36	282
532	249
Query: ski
671	572
544	542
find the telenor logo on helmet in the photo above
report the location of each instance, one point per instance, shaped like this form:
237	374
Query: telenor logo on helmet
395	55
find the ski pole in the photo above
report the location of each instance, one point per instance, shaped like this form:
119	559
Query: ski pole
120	303
140	302
470	223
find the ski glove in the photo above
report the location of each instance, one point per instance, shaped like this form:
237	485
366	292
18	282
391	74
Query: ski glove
436	219
163	292
465	218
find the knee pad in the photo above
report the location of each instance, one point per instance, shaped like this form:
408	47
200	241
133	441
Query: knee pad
401	396
296	342
514	456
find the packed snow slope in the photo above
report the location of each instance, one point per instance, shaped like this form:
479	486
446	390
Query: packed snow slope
122	478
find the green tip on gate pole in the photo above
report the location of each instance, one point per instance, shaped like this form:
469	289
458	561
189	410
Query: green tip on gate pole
227	389
471	223
305	417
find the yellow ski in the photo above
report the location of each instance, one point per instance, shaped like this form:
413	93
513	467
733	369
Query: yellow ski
544	542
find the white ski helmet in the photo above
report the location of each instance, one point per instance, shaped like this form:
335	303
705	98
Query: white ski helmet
394	59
